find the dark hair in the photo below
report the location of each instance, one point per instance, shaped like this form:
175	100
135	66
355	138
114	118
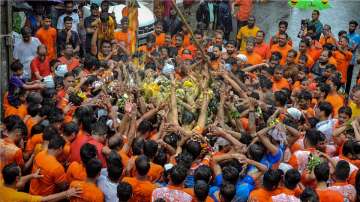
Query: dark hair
33	109
10	172
114	166
34	98
124	191
93	168
150	38
322	172
46	16
227	192
266	83
16	66
203	172
37	129
326	107
201	190
256	151
187	117
263	33
150	148
26	31
292	178
142	164
325	88
271	179
293	52
145	126
342	170
336	81
67	18
172	139
345	110
56	142
178	174
194	148
312	136
99	128
309	195
304	95
283	22
230	174
87	152
160	157
49	133
280	97
137	146
104	16
354	22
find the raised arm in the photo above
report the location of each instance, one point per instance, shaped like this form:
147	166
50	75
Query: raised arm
266	141
174	119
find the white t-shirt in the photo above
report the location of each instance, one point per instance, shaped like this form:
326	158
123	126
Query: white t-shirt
107	187
75	21
25	52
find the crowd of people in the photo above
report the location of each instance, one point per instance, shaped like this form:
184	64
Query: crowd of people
185	118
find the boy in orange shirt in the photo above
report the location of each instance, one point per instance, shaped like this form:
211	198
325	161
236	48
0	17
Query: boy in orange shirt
47	36
279	82
90	192
322	174
159	34
77	171
142	187
54	178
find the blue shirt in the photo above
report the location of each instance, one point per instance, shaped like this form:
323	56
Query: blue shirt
243	188
354	40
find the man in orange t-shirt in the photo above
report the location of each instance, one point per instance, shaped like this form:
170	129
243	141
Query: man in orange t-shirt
282	47
279	82
159	34
343	57
322	174
47	36
283	26
271	180
303	47
243	13
336	100
90	191
125	37
261	47
69	59
54	178
141	186
252	57
327	37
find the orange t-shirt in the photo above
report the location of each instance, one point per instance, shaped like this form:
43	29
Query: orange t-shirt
342	61
252	58
244	10
278	85
336	101
160	39
52	171
310	61
187	40
315	50
71	64
262	195
327	195
32	142
155	172
124	157
76	171
90	192
125	38
327	40
142	190
30	122
282	50
10	153
263	50
20	111
48	38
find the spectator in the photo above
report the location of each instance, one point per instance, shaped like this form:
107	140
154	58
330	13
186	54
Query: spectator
68	36
69	11
47	35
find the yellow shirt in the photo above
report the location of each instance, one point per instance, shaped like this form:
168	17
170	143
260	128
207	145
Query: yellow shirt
244	33
9	194
355	109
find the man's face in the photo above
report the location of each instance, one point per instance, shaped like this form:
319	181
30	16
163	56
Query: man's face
290	58
69	82
343	118
179	41
218	39
356	97
216	52
282	28
26	37
125	25
343	43
199	38
105	7
302	47
42	53
230	49
158	29
106	48
68	25
259	37
282	40
46	23
69	51
95	12
69	8
168	39
327	73
352	28
326	30
251	22
304	104
277	75
314	16
324	57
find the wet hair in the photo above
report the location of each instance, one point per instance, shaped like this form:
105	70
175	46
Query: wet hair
309	195
203	172
256	151
10	172
178	174
137	146
99	128
326	107
171	139
271	179
312	135
145	127
87	152
201	189
305	95
56	142
49	133
93	168
230	174
124	191
187	117
342	170
37	129
281	97
194	148
227	192
150	148
114	166
322	172
33	109
142	164
292	178
160	157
